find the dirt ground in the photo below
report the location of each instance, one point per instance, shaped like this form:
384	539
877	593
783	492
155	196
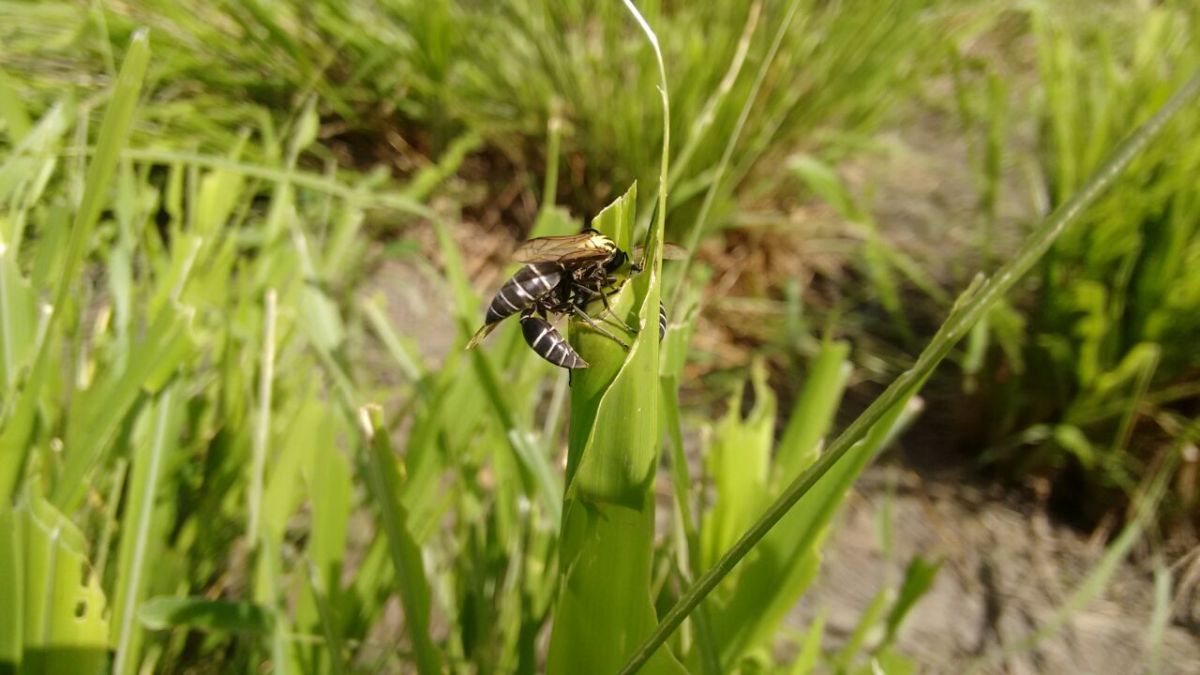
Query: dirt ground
1007	568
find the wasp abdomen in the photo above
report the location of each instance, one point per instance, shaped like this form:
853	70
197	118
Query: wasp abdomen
545	340
662	321
523	289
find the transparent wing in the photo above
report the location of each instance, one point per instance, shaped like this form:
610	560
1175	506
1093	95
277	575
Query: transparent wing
670	252
567	248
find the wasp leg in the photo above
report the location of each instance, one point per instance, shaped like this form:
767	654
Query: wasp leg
616	319
597	327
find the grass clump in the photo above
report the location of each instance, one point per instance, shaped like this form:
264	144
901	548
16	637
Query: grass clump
1094	371
400	80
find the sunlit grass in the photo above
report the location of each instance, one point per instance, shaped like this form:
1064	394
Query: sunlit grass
195	423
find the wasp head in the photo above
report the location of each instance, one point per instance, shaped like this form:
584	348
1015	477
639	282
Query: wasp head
616	262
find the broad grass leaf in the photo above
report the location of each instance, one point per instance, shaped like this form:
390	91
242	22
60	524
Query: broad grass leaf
56	623
812	414
18	317
12	593
785	563
608	513
98	412
738	462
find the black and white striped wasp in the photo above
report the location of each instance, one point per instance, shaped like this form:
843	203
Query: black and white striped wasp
561	276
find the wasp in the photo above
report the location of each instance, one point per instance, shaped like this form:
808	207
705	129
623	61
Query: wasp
561	276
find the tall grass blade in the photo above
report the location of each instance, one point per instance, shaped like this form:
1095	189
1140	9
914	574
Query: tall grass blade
384	484
812	414
137	551
608	510
769	584
965	314
12	593
99	411
1160	617
262	425
114	130
698	228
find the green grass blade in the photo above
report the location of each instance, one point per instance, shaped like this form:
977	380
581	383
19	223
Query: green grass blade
710	195
12	111
769	585
608	511
137	550
384	484
12	592
100	410
539	480
738	464
870	617
966	312
918	578
311	181
333	640
812	414
810	648
1159	618
17	319
114	131
262	425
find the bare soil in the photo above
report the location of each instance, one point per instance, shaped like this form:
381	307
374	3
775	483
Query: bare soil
1007	569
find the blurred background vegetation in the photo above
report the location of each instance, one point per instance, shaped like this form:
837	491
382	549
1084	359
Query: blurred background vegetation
299	207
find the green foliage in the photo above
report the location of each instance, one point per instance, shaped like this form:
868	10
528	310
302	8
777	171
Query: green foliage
502	71
185	305
972	305
608	510
748	608
1116	308
55	618
207	431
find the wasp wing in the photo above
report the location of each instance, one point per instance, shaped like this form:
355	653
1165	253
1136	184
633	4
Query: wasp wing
669	252
567	248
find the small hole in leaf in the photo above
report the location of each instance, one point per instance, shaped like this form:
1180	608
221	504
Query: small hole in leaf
80	609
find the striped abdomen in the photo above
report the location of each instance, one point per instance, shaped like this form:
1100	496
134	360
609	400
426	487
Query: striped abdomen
523	289
549	344
662	321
